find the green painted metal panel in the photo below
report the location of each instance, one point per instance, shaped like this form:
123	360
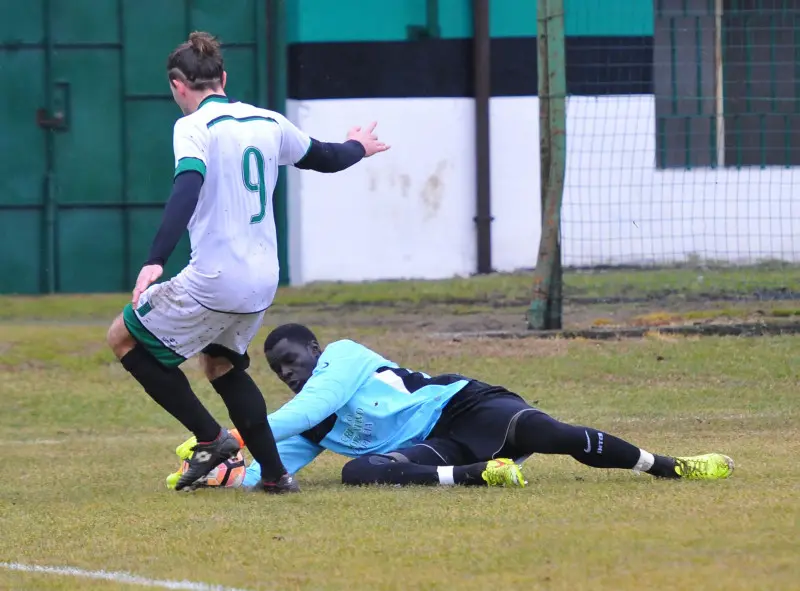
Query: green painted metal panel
88	155
232	22
150	162
23	165
80	22
149	167
90	251
22	143
240	64
21	22
20	243
108	167
142	223
151	30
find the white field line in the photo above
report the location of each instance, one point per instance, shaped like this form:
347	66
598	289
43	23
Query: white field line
114	577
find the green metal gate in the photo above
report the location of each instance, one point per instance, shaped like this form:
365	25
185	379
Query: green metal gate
86	121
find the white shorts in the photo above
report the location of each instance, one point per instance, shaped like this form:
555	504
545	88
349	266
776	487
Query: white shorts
172	326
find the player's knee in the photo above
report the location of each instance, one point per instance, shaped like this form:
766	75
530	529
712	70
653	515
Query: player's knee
214	367
118	338
540	433
355	472
365	470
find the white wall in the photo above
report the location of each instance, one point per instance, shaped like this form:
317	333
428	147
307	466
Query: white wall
409	213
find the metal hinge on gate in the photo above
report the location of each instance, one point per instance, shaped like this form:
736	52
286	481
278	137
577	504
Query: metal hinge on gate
58	120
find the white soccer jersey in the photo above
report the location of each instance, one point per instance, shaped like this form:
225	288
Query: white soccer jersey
237	148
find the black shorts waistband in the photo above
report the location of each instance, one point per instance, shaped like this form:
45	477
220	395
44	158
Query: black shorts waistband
470	396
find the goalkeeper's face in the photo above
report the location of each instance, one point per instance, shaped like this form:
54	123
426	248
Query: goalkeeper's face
293	362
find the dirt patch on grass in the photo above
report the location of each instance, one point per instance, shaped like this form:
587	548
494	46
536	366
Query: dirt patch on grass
454	319
427	318
429	346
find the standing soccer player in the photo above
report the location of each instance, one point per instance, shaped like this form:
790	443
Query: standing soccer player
227	155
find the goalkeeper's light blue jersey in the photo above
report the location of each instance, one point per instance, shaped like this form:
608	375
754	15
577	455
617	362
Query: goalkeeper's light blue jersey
357	403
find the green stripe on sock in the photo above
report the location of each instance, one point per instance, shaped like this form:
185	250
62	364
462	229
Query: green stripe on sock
166	356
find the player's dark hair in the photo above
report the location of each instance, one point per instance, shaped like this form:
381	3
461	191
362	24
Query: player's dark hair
296	333
197	62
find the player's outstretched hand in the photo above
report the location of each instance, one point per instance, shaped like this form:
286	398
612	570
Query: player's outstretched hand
367	138
148	275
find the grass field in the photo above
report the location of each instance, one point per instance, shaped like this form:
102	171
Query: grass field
87	451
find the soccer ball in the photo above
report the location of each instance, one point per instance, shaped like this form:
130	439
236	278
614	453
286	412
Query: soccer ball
228	474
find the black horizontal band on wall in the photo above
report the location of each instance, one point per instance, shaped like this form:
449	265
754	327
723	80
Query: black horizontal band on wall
596	66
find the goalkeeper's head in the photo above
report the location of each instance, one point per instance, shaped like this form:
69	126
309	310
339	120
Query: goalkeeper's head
292	351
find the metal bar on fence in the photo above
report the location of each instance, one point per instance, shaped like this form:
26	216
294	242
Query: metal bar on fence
719	90
49	196
276	85
483	93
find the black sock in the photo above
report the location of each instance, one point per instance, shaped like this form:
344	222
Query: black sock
536	432
470	475
379	469
663	467
405	473
606	451
248	411
169	387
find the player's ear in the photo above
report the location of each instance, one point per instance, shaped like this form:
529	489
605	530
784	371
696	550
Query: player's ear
315	349
178	87
224	78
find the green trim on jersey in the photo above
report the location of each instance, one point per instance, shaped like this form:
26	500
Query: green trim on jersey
222	118
308	149
190	163
214	98
165	356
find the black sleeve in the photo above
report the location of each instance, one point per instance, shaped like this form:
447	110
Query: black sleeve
325	157
177	213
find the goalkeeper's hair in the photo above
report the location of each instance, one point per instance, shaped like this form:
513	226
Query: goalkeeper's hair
296	333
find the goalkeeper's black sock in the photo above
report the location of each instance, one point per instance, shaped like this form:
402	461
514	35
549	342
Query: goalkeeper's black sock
537	432
248	411
469	475
663	467
169	387
381	469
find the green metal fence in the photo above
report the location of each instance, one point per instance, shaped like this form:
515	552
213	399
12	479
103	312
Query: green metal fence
86	118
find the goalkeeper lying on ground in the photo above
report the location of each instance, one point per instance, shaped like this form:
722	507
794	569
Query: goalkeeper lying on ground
405	427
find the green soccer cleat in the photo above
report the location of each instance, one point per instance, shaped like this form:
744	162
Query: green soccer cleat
172	480
705	467
503	472
184	450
